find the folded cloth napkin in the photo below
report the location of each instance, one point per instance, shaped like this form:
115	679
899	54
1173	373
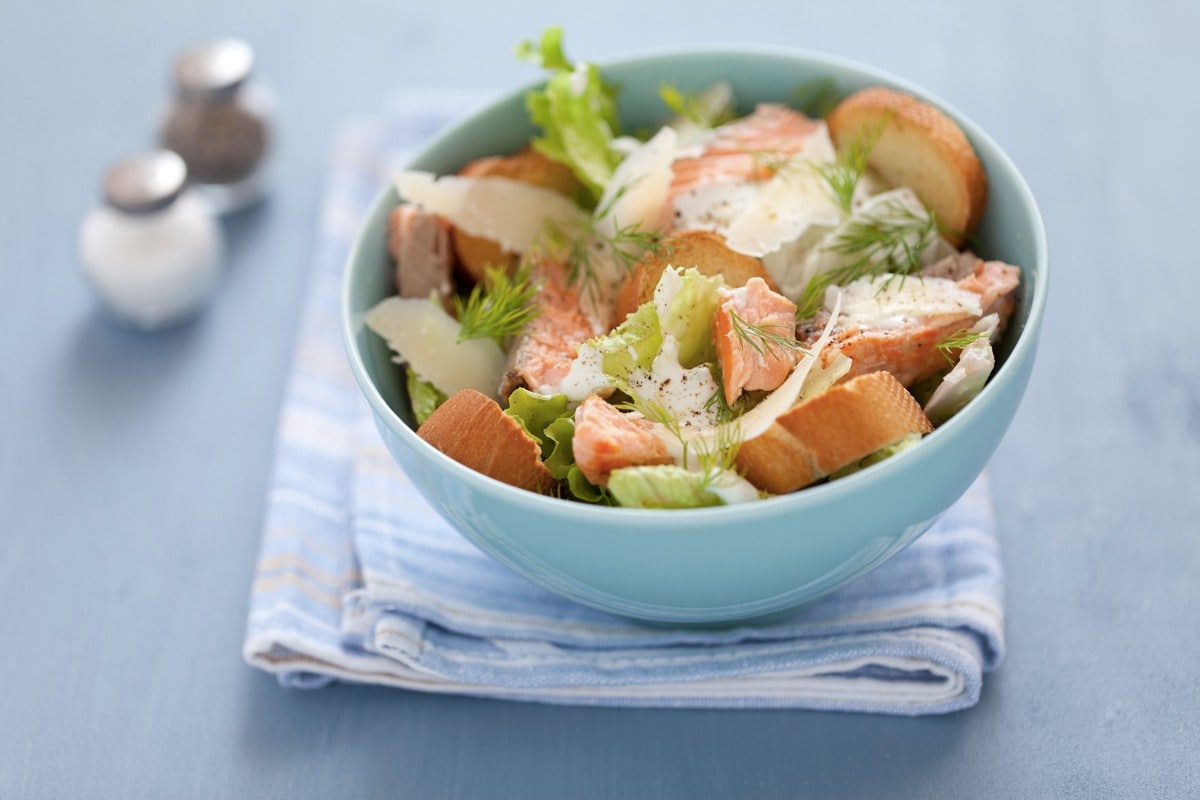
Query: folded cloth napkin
360	580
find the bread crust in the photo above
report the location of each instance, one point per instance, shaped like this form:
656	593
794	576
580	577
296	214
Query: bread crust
471	428
920	147
702	249
836	428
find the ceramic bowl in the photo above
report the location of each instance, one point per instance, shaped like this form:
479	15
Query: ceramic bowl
711	565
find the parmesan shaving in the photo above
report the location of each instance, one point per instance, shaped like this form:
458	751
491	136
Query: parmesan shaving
423	335
509	212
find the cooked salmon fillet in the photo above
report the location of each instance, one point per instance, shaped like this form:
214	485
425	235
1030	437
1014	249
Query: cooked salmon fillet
542	354
910	351
419	243
752	328
606	439
743	149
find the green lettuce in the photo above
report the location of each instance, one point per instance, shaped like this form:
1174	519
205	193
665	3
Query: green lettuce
662	486
550	421
686	303
576	111
631	345
886	451
423	396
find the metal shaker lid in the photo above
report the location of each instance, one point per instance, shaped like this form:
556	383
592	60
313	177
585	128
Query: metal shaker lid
145	182
212	70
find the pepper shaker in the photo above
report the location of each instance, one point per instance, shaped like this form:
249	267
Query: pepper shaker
219	121
152	248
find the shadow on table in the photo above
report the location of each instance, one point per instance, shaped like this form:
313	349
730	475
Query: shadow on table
113	370
423	745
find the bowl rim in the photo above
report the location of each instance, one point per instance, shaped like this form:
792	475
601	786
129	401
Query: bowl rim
1022	350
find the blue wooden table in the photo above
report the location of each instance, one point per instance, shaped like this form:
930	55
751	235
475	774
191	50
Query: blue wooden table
133	467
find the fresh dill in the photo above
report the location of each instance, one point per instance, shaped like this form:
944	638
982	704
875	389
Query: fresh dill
957	341
770	162
722	410
766	340
719	456
841	176
888	242
500	306
652	410
581	249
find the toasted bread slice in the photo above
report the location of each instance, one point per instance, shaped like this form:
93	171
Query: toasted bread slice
528	165
919	147
472	429
704	250
832	430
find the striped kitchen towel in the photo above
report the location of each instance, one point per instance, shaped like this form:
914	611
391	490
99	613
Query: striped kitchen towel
360	580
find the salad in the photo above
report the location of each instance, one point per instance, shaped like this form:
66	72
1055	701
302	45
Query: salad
742	303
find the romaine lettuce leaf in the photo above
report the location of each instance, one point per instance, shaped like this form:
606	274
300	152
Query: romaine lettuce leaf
550	420
423	396
663	486
685	301
631	345
576	111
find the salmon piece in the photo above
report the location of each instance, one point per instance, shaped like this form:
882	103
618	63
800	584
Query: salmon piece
910	351
748	359
995	282
606	439
742	150
542	354
419	243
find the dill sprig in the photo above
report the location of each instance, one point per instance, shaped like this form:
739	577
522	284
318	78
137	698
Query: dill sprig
723	411
764	339
841	176
580	249
957	341
718	456
769	161
500	306
887	242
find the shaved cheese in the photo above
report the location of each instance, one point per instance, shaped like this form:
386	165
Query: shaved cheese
795	198
889	301
638	188
426	337
509	212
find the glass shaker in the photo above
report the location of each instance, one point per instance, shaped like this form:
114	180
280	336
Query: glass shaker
219	121
152	248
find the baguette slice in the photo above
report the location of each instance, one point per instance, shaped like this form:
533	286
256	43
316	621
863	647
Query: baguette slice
834	429
529	166
918	147
472	429
704	250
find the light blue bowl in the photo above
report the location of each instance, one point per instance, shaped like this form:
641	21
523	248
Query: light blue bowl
728	563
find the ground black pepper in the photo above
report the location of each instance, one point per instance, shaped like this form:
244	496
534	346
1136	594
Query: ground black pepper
221	143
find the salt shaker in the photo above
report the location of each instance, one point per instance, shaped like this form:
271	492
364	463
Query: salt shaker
219	121
152	248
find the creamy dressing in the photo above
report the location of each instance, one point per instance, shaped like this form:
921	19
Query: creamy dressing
891	301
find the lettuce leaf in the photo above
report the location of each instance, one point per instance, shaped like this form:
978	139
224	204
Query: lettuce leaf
550	420
631	345
576	111
423	396
686	301
663	486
